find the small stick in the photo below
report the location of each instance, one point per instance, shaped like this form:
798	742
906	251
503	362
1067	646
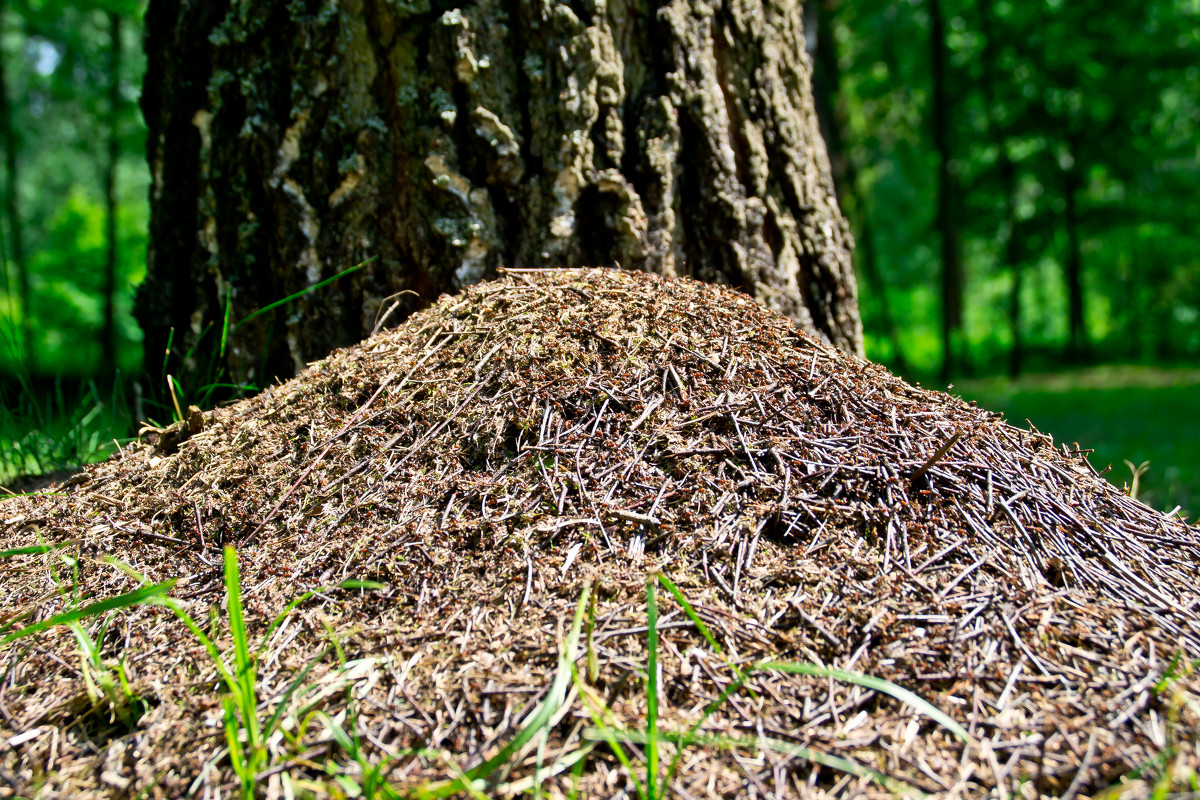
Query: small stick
1077	781
653	404
937	456
633	516
147	535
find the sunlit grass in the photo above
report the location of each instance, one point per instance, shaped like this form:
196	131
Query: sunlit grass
656	784
246	731
44	430
1123	413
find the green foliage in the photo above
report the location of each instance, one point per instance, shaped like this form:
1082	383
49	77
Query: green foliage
67	283
57	58
246	734
1104	94
54	426
105	680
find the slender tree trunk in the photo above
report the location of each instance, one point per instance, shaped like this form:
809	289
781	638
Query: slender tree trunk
946	222
12	212
675	136
826	80
1013	255
1077	340
108	339
1013	244
868	257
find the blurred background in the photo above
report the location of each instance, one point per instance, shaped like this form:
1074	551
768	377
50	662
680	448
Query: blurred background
1022	179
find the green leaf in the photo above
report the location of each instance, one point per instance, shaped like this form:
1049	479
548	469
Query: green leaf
535	721
651	692
29	551
728	742
878	684
303	292
121	601
237	619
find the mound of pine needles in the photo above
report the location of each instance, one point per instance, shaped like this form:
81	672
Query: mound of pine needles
595	531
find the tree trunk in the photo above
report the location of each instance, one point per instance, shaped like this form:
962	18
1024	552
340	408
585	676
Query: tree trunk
947	223
108	339
1077	341
818	17
1012	227
289	141
1014	257
12	215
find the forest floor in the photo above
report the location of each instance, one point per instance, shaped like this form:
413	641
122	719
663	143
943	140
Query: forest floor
596	533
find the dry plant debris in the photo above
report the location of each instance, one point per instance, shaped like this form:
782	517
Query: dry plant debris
504	449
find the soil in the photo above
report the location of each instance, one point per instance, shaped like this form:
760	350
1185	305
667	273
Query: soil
559	435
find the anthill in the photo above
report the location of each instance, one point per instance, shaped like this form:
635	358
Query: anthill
516	466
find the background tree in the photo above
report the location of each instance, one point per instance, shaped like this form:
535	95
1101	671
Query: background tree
1073	135
75	169
946	222
14	249
831	112
108	341
289	141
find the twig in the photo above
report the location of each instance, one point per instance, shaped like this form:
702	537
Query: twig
937	456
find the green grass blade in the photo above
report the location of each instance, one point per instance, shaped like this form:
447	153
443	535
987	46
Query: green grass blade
273	722
244	687
30	551
176	608
302	292
188	356
699	623
167	353
290	607
237	619
534	723
608	735
573	761
878	684
209	647
733	687
225	322
237	756
670	586
340	737
894	785
121	601
208	388
651	692
86	646
593	663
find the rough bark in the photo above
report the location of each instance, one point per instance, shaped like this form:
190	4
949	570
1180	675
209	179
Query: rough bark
291	140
